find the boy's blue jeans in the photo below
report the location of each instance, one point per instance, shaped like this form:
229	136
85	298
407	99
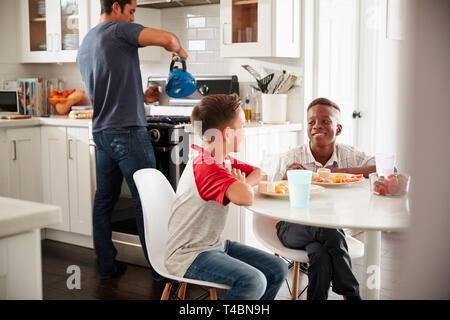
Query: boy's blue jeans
252	273
120	153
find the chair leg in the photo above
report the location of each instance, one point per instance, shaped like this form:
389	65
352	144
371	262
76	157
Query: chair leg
295	281
166	292
213	293
182	291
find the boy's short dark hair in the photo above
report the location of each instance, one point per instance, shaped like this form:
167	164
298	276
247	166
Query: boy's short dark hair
106	5
216	111
325	102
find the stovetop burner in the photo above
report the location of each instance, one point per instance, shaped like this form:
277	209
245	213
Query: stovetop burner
169	119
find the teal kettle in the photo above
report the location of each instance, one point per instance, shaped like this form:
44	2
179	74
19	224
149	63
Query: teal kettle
180	83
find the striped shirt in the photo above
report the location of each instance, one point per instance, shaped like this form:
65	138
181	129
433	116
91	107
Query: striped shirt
344	156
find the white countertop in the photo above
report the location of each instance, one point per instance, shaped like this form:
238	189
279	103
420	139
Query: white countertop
18	216
49	121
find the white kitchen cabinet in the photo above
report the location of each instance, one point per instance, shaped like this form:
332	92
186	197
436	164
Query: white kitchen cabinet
260	28
4	159
52	32
66	176
80	193
24	162
55	179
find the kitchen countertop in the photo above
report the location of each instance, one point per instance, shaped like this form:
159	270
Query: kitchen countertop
251	128
18	216
47	121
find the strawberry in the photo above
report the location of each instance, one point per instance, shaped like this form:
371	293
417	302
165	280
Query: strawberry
392	189
382	191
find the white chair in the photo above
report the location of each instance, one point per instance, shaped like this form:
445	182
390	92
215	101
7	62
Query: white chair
157	196
265	232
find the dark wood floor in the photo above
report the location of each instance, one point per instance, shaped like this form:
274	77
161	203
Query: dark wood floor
137	283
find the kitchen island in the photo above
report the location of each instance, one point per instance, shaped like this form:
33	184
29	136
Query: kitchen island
20	246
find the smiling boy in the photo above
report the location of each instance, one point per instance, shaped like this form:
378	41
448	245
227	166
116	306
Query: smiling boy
329	261
323	151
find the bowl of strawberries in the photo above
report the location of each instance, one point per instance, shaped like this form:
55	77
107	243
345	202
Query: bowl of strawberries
396	184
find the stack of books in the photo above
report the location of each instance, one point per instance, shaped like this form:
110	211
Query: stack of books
33	94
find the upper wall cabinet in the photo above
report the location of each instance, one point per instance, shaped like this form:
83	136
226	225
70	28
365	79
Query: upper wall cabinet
260	28
52	30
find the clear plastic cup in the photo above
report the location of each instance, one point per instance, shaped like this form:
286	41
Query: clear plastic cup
299	182
385	163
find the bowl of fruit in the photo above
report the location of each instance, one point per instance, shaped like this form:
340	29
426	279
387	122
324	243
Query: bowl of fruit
62	101
396	184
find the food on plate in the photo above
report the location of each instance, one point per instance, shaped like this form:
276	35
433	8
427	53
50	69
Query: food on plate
266	186
324	173
338	178
393	185
282	188
272	187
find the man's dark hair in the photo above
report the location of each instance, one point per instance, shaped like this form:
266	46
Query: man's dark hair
325	102
216	111
107	5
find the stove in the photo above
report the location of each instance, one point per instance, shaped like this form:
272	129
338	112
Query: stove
170	141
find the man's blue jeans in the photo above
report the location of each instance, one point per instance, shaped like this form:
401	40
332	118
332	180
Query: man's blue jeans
120	153
251	273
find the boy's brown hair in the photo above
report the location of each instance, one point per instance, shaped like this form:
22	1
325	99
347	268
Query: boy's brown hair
325	102
216	111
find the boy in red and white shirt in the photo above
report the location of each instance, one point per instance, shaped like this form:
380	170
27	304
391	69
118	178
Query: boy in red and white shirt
195	248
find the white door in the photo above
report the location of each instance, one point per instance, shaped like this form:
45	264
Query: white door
55	180
80	196
25	164
338	61
246	28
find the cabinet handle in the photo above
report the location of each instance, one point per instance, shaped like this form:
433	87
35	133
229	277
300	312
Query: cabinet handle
14	156
223	32
50	42
70	149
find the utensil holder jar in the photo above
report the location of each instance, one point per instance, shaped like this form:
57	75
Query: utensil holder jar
274	107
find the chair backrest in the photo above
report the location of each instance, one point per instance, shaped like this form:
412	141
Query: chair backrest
156	196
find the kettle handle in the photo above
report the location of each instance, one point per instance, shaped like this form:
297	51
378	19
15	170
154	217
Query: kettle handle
182	61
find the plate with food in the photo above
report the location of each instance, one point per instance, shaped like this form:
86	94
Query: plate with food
280	189
324	177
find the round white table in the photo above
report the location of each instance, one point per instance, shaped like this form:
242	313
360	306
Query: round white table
351	206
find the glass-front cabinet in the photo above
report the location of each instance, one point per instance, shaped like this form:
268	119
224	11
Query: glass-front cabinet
260	28
52	30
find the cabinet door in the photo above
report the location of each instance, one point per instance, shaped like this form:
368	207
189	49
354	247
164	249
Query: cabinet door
287	28
80	191
36	21
246	28
55	180
25	164
51	30
72	24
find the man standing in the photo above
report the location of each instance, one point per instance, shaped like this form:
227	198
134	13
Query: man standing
109	65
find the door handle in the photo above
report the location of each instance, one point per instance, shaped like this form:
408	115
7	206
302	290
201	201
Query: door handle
357	114
14	155
70	149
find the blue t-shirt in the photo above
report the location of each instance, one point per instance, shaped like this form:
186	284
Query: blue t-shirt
109	64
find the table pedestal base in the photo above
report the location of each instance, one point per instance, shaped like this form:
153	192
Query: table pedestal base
371	272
